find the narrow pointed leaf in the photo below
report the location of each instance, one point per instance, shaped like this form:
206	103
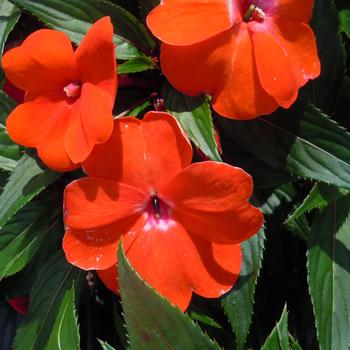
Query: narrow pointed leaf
75	17
65	332
105	345
279	337
52	283
194	115
238	304
27	180
152	322
328	266
301	140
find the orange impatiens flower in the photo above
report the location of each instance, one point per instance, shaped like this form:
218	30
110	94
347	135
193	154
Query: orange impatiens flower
181	224
251	56
69	95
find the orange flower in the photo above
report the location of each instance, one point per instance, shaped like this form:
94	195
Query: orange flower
69	95
181	224
251	56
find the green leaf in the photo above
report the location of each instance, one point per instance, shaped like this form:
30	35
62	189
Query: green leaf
319	197
105	345
27	180
325	89
65	332
7	164
7	104
135	65
9	17
300	226
194	115
75	17
21	237
294	345
55	278
238	304
152	322
279	337
328	265
345	21
301	140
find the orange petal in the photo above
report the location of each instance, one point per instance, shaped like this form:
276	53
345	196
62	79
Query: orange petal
296	63
45	61
212	269
94	248
90	202
176	264
299	41
91	122
96	57
211	201
223	67
296	10
144	154
30	123
187	22
110	278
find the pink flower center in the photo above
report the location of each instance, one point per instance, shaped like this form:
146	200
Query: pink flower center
158	212
253	11
73	90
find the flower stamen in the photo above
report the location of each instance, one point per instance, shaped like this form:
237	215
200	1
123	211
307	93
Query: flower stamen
254	13
73	89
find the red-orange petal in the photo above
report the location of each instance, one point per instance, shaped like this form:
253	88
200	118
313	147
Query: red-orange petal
45	61
187	22
224	67
144	154
110	278
91	202
210	200
96	57
296	10
92	249
90	122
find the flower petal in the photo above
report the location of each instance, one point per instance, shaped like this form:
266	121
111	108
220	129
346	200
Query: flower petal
91	122
45	61
278	80
223	67
187	22
92	249
96	57
30	123
296	10
144	154
211	201
90	203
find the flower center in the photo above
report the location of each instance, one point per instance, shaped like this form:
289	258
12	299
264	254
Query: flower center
73	89
158	212
254	13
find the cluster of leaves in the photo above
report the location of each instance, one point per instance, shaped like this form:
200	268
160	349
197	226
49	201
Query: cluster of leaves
292	291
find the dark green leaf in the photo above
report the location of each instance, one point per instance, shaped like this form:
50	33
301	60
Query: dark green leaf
325	89
21	237
204	319
300	226
135	65
328	264
279	337
301	140
238	304
27	180
65	332
319	197
55	278
8	18
75	17
152	322
7	104
147	5
194	115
